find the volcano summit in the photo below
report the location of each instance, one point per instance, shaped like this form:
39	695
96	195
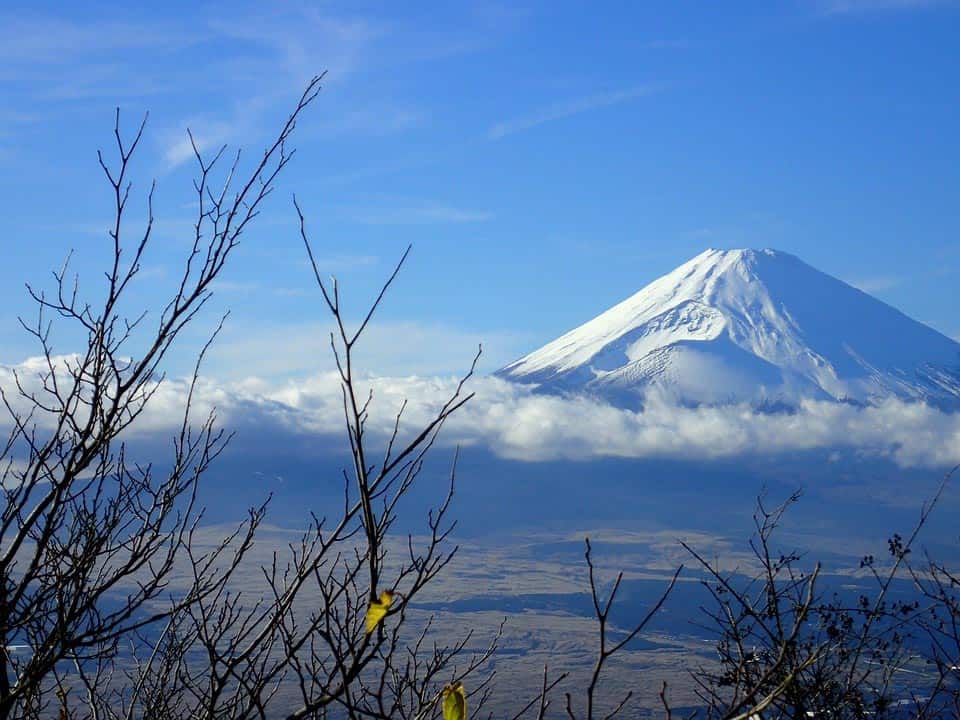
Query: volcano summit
754	326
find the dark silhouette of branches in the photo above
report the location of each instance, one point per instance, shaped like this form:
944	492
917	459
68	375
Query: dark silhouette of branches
90	538
787	649
123	611
607	648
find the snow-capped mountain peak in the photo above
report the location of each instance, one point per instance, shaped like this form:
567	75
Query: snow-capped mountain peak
748	325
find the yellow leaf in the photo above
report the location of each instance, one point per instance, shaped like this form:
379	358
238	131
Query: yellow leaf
377	610
454	702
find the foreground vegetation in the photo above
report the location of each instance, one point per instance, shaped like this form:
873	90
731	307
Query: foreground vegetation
111	608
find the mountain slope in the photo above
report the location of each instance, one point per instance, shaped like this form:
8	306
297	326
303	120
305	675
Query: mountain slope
759	326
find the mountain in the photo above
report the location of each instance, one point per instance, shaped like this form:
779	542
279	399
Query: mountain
756	326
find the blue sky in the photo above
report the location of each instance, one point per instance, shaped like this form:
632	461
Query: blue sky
545	159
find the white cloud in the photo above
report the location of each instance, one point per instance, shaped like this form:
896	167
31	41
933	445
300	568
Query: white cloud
516	423
54	58
37	39
289	46
390	348
179	149
301	39
876	284
567	109
210	135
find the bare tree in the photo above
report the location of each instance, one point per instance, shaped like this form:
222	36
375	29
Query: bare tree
789	649
90	537
762	645
938	624
92	623
607	647
586	702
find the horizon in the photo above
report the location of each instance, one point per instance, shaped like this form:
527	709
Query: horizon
711	410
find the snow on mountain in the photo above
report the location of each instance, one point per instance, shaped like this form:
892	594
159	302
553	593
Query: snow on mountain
759	326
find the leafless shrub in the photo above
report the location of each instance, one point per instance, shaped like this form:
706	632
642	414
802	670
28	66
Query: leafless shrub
786	648
90	539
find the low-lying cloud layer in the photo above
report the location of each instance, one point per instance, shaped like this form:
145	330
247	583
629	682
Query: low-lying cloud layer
516	423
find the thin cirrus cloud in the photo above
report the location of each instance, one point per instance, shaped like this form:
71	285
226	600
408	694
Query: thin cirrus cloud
567	109
51	58
376	120
852	7
876	284
178	148
210	134
419	215
393	348
516	423
44	40
291	46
